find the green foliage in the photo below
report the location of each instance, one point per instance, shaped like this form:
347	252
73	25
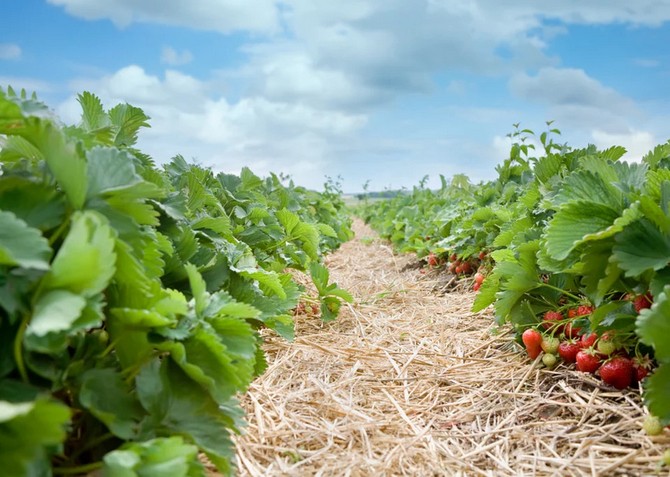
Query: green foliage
570	227
131	297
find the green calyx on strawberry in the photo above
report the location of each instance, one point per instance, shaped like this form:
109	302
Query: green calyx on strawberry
588	360
617	372
532	340
568	350
550	320
549	344
641	366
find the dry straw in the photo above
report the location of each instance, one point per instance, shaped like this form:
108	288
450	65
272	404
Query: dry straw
410	382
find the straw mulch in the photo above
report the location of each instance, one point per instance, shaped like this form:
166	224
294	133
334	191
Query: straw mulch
410	382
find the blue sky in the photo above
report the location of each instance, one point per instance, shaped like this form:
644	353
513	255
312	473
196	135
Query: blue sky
386	91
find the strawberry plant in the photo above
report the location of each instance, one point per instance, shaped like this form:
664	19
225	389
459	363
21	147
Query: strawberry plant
576	240
131	296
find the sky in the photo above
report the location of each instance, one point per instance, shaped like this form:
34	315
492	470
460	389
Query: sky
385	91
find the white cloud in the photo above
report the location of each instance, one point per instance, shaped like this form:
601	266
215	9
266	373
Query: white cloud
172	57
637	143
188	117
646	62
224	16
576	99
10	51
29	84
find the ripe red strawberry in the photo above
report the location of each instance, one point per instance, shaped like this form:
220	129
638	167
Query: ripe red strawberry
617	372
476	286
588	340
532	339
432	260
482	255
584	310
641	366
479	278
571	331
587	361
458	269
568	350
641	302
453	257
466	267
573	312
550	319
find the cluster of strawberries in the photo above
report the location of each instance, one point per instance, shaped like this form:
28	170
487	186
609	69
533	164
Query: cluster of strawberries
605	354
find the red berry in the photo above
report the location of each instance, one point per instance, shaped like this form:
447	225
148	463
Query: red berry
617	372
641	366
532	339
476	286
584	310
572	313
571	331
432	260
479	278
587	361
550	318
466	268
568	350
588	340
453	257
482	255
641	302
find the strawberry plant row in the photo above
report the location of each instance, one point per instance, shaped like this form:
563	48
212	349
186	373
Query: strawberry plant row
131	296
572	247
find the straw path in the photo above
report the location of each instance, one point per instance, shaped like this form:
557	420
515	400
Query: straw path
410	382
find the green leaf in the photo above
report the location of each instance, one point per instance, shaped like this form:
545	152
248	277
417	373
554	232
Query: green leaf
573	222
177	405
161	457
55	311
653	326
127	121
64	162
198	288
656	392
22	245
641	247
104	393
86	261
39	205
288	219
589	187
141	319
93	114
30	433
112	172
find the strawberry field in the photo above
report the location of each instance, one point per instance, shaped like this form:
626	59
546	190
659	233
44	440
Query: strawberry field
132	297
170	320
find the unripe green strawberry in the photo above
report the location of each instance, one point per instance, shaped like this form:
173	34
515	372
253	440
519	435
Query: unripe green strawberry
550	344
549	360
652	425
